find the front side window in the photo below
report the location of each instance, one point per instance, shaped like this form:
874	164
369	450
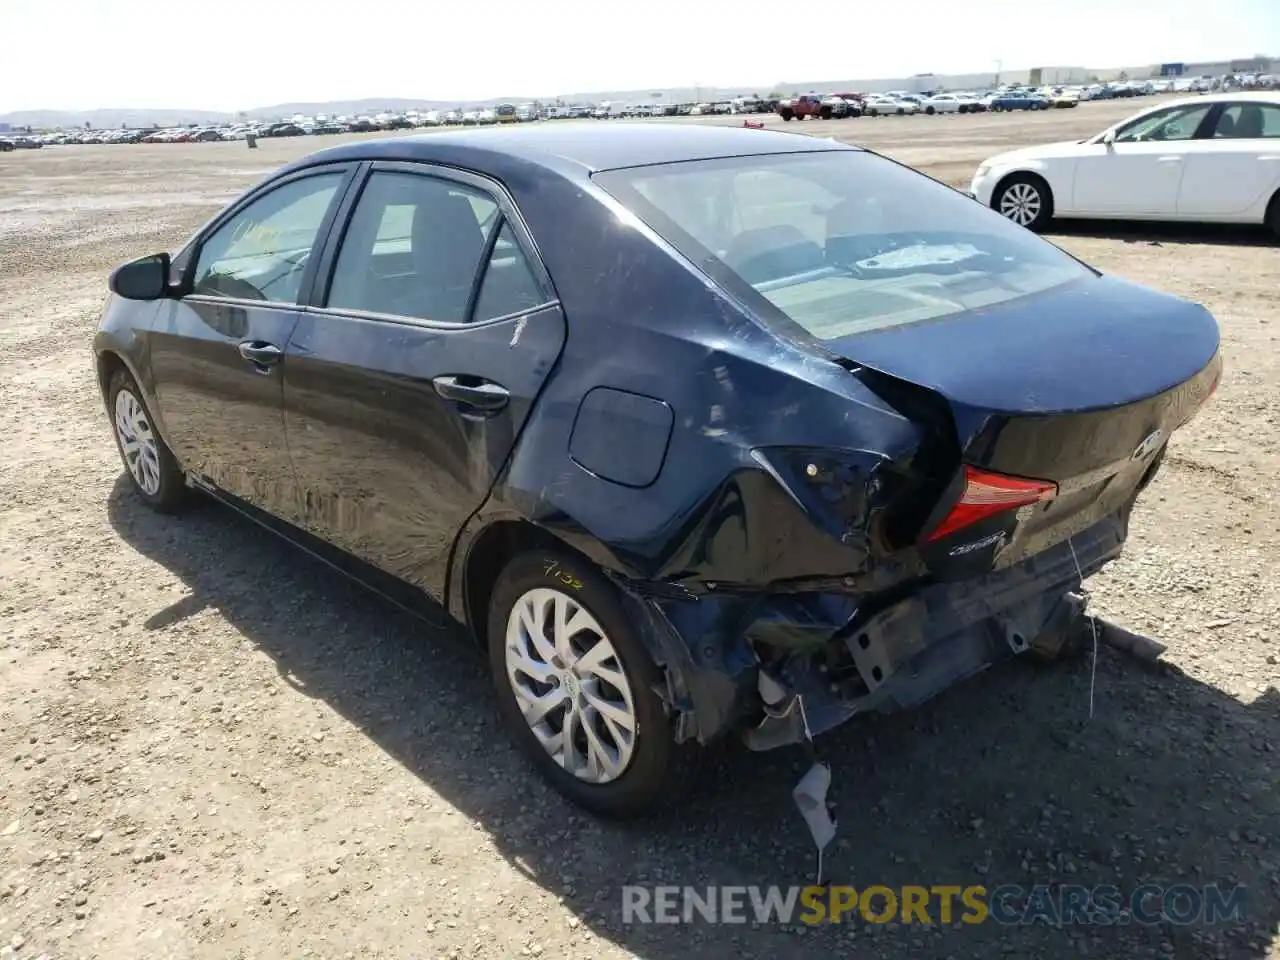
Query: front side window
1248	121
261	253
413	248
1176	123
839	242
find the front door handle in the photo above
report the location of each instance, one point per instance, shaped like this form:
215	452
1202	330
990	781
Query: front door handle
1171	159
482	396
260	352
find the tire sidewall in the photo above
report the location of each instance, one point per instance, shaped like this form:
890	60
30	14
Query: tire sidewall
172	489
1273	216
644	780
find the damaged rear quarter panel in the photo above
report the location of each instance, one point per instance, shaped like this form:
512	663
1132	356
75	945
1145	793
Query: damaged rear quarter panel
643	322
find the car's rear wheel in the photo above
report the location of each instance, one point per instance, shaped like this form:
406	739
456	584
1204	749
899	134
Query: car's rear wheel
1273	215
577	687
1025	199
930	111
157	478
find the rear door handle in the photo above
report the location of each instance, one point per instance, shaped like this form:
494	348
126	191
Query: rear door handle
471	392
1170	159
260	352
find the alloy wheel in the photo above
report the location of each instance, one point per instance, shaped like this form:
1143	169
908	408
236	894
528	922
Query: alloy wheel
137	442
1021	203
570	685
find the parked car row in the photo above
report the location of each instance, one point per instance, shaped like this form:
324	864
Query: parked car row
899	103
1008	97
8	143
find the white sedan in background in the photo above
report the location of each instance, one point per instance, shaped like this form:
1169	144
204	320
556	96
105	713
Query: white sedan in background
948	103
1204	159
886	105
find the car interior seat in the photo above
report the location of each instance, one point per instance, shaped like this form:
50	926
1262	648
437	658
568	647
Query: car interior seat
446	244
1249	124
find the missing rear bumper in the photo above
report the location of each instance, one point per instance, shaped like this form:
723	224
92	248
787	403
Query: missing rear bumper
911	651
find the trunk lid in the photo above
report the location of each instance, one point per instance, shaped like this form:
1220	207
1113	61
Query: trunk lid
1080	386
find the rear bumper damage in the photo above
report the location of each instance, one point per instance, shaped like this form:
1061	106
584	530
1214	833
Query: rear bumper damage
782	668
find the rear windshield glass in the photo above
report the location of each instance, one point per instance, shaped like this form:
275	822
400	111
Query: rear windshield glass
840	242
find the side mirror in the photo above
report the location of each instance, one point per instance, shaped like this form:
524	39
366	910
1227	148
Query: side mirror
144	279
1109	137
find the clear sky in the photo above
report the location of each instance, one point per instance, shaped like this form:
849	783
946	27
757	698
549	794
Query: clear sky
239	54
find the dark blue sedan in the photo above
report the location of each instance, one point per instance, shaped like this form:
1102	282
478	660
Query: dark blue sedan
1019	100
700	431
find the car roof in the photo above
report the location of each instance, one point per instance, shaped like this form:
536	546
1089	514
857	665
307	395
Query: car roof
589	146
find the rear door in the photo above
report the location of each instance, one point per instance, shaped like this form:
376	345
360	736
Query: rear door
1234	168
408	381
1141	172
216	352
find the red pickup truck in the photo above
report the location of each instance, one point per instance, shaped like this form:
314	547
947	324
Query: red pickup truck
832	106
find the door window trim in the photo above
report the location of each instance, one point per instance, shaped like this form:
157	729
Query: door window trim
508	214
305	288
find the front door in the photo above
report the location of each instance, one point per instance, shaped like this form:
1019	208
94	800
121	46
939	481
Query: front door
407	383
216	353
1140	173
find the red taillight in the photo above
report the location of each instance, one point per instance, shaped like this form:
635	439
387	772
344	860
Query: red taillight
986	494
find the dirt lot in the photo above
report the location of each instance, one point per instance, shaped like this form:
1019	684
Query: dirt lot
214	747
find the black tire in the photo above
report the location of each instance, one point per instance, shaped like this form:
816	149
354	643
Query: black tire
824	113
1045	197
1273	216
660	770
171	493
787	114
930	111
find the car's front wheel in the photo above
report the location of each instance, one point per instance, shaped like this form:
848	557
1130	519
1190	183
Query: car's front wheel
577	687
157	477
1025	199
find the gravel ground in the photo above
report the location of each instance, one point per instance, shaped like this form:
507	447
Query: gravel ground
215	747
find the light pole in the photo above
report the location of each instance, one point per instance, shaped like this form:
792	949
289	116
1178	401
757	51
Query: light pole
999	64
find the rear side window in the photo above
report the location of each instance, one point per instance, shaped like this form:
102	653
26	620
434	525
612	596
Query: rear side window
839	242
1248	121
413	248
509	285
